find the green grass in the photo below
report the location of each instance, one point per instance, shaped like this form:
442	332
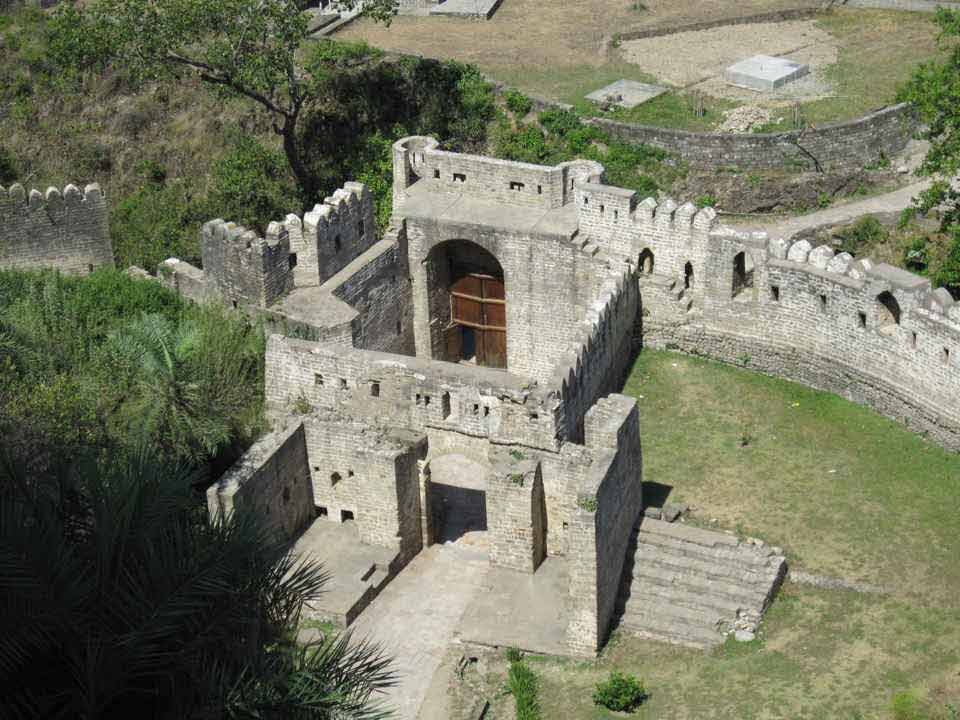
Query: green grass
847	493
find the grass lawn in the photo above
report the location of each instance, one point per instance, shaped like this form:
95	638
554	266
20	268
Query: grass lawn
847	493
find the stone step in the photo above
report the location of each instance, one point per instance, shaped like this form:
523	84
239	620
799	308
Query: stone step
742	555
648	591
662	574
712	569
671	628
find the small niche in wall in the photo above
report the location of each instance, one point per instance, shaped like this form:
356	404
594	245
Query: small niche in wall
446	405
603	208
946	356
823	303
775	293
426	399
436	173
292	260
616	214
322	511
346	515
316	468
285	496
399	327
349	473
318	379
534	417
486	411
913	340
343	383
476	409
863	319
459	177
334	478
375	389
514	185
234	304
337	243
586	200
89	267
539	189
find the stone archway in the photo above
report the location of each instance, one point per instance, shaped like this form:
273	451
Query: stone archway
458	500
467	303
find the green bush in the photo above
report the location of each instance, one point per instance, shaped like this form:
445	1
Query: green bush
948	274
525	688
916	256
559	122
525	144
620	692
518	103
864	233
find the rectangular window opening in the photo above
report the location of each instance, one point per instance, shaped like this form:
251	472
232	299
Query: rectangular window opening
476	409
374	389
346	515
539	189
317	379
321	511
775	293
292	260
343	383
361	228
823	303
426	400
486	411
446	405
616	214
514	185
913	340
602	209
534	416
946	356
459	177
436	174
863	319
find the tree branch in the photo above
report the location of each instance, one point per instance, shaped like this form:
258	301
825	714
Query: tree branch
209	74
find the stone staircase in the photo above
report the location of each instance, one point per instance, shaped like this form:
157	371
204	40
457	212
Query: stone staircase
690	586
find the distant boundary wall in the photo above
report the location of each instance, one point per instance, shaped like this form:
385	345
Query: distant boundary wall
848	145
906	5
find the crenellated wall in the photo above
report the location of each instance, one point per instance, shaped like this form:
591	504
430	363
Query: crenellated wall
870	332
333	234
243	268
65	230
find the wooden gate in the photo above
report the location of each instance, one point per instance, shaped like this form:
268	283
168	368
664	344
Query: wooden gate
478	311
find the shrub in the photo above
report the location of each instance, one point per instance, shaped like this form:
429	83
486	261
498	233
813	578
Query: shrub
620	692
706	201
525	687
865	232
948	274
518	103
514	655
916	256
526	144
559	122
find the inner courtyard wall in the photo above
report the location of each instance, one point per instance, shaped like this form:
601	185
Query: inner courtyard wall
65	230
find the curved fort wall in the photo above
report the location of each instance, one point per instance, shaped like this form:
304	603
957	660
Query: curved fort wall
846	145
67	230
872	333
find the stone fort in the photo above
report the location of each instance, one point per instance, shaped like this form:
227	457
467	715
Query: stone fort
456	380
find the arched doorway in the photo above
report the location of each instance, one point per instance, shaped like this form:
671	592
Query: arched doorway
468	304
458	500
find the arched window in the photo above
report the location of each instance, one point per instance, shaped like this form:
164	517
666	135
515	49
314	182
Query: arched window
645	263
742	275
688	276
334	479
888	312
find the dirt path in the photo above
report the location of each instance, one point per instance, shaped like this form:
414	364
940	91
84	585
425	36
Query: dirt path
889	202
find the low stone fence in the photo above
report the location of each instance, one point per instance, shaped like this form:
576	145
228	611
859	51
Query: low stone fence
909	5
846	145
768	17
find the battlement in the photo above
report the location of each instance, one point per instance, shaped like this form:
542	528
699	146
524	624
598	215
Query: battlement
333	234
418	161
67	230
244	267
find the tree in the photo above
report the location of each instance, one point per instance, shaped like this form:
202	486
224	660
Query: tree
246	48
119	600
934	91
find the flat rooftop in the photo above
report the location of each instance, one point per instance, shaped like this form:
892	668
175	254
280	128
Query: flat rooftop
764	73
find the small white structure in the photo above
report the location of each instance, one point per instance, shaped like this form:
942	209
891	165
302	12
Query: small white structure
626	93
764	73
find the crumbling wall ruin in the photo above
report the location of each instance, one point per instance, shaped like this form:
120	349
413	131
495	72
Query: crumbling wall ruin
65	230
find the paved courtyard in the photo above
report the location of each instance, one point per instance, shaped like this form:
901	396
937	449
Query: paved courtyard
416	617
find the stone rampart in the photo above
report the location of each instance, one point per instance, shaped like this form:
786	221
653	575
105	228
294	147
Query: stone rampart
244	268
65	230
871	333
840	146
609	502
333	234
409	392
418	160
273	479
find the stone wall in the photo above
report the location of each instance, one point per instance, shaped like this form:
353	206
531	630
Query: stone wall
872	333
608	507
370	476
412	393
67	231
516	511
909	5
272	478
333	234
841	146
243	268
800	13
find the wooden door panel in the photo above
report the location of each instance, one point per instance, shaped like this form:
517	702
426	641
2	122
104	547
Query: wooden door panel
453	340
495	315
493	289
468	285
467	311
495	348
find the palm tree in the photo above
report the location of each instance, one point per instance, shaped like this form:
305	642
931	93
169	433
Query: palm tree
125	602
